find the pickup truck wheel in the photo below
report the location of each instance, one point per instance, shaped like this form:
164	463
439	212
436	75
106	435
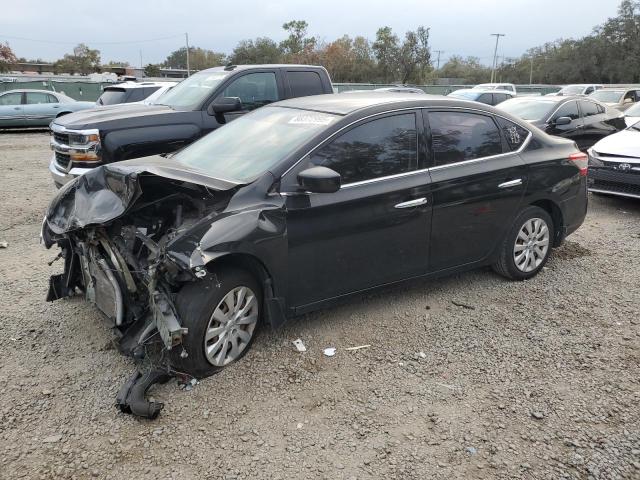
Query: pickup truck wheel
527	245
222	313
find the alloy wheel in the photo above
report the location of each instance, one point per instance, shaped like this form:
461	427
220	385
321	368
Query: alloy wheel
231	326
532	245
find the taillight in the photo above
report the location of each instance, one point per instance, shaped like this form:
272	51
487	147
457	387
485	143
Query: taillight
581	160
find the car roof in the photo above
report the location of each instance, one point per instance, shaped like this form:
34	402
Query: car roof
340	104
22	90
235	68
483	90
129	85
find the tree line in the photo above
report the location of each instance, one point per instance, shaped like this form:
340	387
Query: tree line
610	54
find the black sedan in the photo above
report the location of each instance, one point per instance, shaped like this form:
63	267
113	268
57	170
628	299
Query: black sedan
581	119
302	204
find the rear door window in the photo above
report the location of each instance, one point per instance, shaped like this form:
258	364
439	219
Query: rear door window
460	136
379	148
485	98
303	84
254	89
36	98
588	108
136	95
112	96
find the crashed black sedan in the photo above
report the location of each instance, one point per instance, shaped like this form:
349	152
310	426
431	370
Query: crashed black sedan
301	204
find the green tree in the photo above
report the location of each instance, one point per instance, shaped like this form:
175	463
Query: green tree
297	44
199	58
259	51
386	49
83	60
152	70
7	57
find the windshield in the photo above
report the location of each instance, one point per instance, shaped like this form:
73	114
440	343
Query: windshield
249	146
112	97
608	96
191	92
468	94
531	110
571	90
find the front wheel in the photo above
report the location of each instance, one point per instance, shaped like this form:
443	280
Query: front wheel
222	313
527	245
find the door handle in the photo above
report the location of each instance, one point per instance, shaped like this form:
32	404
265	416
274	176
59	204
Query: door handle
412	203
511	183
17	108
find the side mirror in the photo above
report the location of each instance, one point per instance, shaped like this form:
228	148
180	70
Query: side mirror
627	100
224	105
319	180
562	121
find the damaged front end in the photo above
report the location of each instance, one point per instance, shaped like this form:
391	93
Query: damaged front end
115	226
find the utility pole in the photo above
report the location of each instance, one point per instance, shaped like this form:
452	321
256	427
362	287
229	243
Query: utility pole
438	62
186	36
531	71
495	54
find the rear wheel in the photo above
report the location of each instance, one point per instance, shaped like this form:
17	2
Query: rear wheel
222	313
527	246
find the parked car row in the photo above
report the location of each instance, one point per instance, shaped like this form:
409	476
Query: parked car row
36	108
133	92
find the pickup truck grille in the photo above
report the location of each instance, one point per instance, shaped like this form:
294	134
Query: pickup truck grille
62	160
62	138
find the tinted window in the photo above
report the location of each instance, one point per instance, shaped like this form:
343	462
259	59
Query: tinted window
254	90
11	99
379	148
569	109
35	98
588	109
513	133
499	97
112	97
588	91
459	136
485	98
305	83
136	95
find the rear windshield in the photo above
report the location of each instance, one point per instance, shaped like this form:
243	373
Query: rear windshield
531	110
572	90
608	96
112	96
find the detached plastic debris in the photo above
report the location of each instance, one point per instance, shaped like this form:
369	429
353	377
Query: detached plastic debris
329	352
188	386
4	244
359	347
299	345
130	398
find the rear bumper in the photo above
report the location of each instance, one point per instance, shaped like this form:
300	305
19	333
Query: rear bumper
614	182
60	175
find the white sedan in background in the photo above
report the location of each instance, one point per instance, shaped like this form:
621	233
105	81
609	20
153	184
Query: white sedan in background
614	163
632	115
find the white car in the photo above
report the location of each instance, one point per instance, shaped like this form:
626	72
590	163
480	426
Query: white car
632	115
132	92
614	163
581	89
497	86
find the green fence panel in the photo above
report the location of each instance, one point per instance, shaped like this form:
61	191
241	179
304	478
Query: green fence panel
86	91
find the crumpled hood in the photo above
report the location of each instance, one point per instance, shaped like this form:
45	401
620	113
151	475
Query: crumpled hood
625	142
105	193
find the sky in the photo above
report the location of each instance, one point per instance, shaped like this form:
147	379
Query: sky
126	30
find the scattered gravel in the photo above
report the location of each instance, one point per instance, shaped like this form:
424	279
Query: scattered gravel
470	376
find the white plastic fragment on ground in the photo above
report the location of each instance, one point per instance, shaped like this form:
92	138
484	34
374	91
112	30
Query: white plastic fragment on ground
351	349
4	244
329	352
299	345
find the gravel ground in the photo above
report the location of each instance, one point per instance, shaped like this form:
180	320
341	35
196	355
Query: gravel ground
466	377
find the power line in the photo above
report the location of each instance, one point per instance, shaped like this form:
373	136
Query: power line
90	43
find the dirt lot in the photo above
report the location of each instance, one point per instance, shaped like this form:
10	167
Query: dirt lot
527	380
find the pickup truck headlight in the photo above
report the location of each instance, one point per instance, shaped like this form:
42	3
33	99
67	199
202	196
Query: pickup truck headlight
81	140
85	146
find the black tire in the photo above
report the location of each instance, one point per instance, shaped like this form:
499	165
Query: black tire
195	305
506	263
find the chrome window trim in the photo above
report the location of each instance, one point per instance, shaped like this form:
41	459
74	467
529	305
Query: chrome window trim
423	170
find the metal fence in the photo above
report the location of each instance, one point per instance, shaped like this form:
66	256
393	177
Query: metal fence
78	90
445	89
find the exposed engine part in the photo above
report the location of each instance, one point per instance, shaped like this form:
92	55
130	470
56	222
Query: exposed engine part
131	397
166	321
117	294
